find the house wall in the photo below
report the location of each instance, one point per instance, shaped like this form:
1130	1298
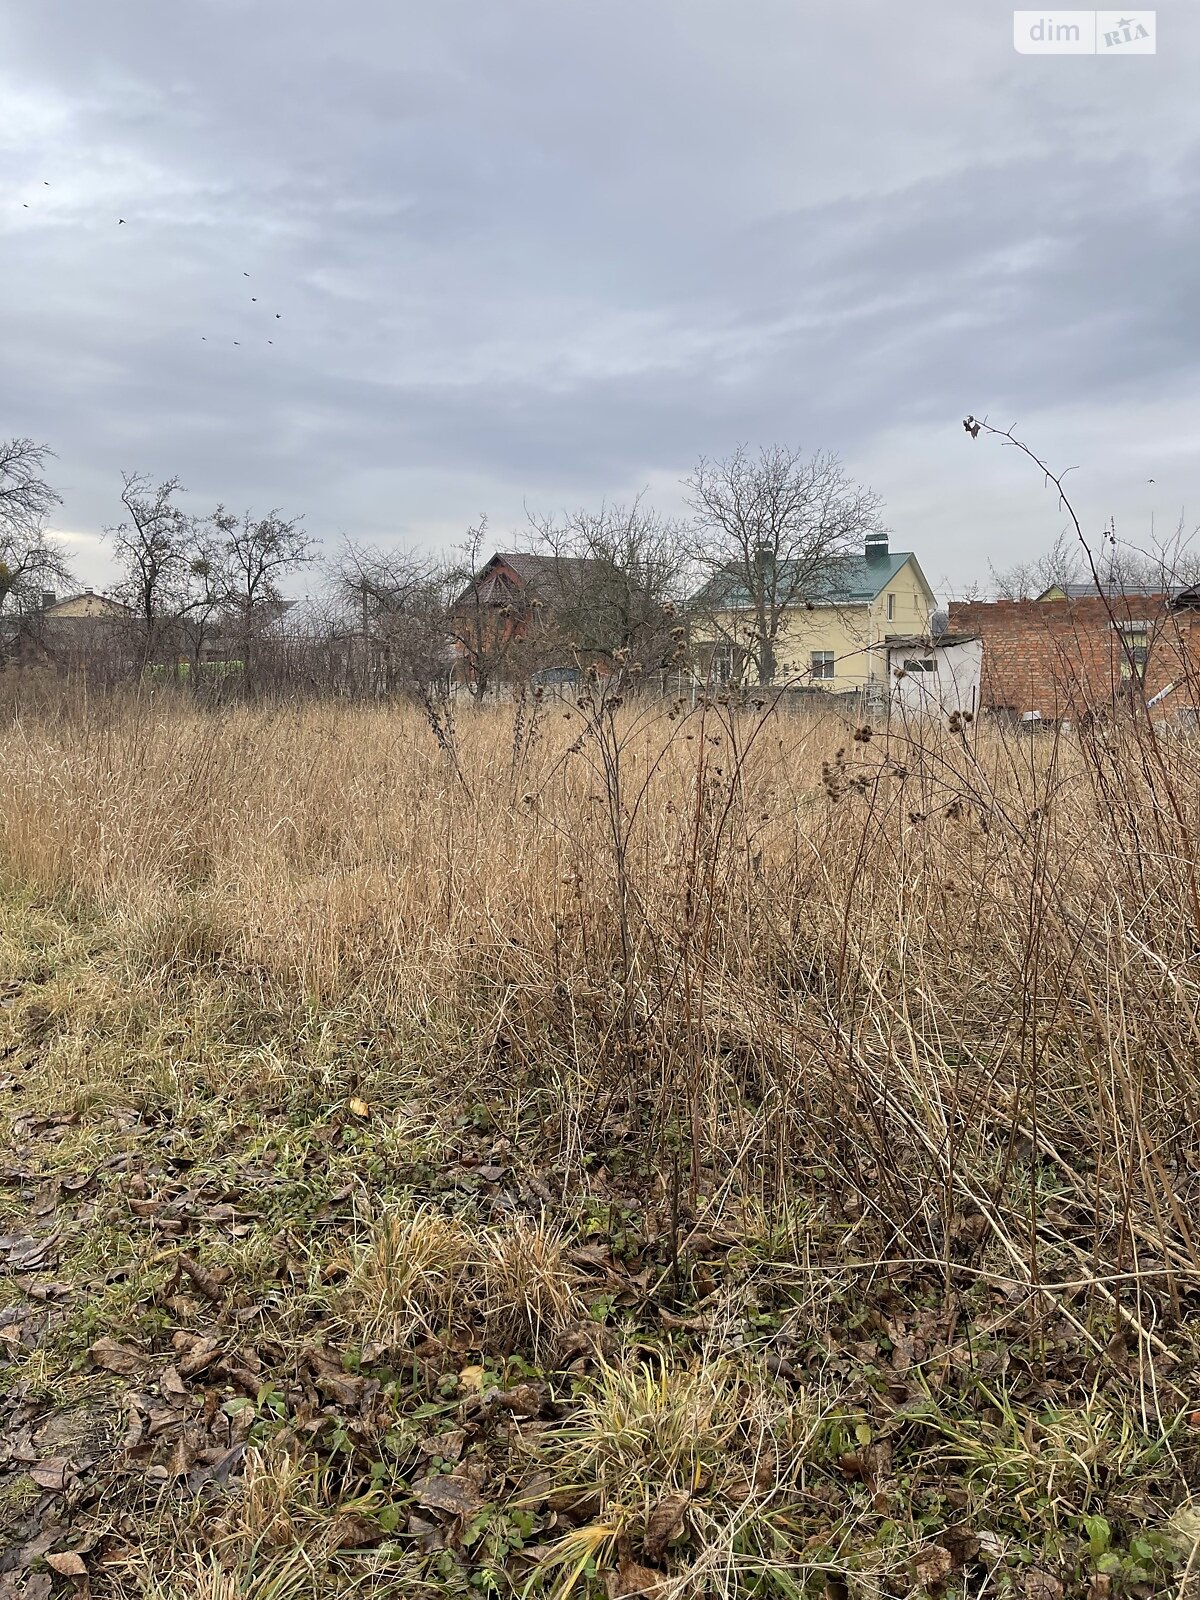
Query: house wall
846	630
953	686
854	632
86	605
1062	658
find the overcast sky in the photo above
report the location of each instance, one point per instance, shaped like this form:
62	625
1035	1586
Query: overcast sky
544	252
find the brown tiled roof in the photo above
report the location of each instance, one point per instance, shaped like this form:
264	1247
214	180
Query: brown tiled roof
557	580
551	574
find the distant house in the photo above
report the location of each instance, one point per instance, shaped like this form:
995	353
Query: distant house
1063	659
1110	590
835	631
522	616
82	630
83	607
518	578
936	676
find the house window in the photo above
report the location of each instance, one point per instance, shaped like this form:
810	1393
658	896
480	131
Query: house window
925	664
1135	649
891	608
822	664
721	665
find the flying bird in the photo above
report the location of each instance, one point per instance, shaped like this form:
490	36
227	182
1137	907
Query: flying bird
120	222
277	316
237	341
245	274
253	299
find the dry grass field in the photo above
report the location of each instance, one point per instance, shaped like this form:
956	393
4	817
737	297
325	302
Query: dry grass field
595	1150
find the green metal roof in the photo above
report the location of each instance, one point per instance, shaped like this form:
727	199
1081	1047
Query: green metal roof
850	580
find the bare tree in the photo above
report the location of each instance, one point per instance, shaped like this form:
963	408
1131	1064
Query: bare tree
1157	567
772	531
26	499
29	559
162	556
494	639
198	624
1161	565
622	579
1061	565
254	553
397	604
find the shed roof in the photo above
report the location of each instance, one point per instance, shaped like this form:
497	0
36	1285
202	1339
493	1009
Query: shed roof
901	641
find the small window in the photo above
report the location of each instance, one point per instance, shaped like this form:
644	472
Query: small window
925	664
725	665
891	608
822	664
1135	649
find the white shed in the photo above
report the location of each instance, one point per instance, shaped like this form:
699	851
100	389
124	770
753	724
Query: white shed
934	677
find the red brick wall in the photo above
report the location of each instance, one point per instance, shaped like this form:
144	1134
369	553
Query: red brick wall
1064	657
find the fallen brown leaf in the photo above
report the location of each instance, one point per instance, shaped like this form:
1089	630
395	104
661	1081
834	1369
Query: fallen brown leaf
172	1385
341	1387
122	1359
186	1453
67	1564
1041	1585
453	1495
51	1474
932	1566
198	1354
632	1579
447	1446
523	1400
49	1291
663	1523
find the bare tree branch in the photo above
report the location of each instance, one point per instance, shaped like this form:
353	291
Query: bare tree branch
624	580
772	530
30	560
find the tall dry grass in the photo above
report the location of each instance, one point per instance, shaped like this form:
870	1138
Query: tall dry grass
931	993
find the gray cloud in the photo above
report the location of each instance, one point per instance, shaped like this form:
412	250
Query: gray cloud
547	253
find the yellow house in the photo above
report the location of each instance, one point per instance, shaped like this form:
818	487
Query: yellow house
833	629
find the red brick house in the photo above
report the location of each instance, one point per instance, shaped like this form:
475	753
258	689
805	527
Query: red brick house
1062	659
511	622
548	619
